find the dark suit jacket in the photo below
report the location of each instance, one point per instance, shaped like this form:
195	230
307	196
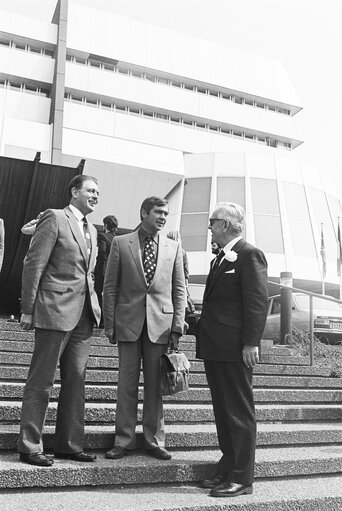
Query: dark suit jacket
235	304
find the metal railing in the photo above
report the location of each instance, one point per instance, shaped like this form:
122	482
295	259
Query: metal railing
311	317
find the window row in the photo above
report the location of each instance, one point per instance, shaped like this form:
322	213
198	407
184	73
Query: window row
24	87
27	47
179	83
176	119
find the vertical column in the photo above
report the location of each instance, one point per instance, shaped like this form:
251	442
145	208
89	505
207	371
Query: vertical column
57	91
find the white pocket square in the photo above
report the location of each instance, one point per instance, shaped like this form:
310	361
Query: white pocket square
230	271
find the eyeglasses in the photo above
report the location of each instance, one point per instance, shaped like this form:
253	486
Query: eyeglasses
213	220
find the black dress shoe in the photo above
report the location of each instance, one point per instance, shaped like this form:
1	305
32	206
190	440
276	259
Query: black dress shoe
215	481
75	456
116	453
231	490
36	458
159	453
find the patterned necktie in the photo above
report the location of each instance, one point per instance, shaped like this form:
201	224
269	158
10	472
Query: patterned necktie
149	261
86	234
216	263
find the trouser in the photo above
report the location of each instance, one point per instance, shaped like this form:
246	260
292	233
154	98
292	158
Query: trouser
130	355
71	349
232	396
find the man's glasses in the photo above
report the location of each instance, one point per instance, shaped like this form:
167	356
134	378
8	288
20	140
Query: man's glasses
213	220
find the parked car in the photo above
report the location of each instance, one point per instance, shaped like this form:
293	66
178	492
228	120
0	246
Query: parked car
327	318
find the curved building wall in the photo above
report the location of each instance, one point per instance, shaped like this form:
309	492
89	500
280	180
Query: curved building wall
286	201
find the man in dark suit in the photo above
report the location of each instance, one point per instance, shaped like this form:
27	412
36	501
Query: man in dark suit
233	317
144	306
59	301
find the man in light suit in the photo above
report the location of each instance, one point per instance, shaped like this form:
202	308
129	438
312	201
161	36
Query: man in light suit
59	301
144	305
234	312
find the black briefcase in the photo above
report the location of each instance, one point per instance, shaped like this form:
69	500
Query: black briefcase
174	373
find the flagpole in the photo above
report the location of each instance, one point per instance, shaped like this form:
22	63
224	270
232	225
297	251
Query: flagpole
339	255
324	260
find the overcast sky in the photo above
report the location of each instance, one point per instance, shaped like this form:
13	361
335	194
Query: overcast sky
305	35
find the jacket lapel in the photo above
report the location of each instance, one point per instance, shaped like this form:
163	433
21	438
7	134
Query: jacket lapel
224	266
77	234
162	252
134	247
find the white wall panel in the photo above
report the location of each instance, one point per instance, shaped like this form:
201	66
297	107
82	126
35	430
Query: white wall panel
163	97
26	65
89	145
31	28
104	33
26	134
24	106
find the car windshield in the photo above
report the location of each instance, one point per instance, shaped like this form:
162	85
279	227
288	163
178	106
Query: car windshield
303	302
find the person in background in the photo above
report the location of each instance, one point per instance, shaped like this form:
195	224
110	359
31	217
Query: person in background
144	304
215	249
2	241
235	304
174	235
59	301
30	228
104	242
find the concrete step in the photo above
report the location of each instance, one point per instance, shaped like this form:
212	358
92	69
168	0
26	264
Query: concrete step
184	467
195	436
101	356
23	357
100	413
103	393
323	493
110	375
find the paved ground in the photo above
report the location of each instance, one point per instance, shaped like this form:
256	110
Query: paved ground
305	494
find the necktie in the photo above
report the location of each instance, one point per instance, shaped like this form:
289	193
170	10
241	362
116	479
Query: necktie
86	234
216	263
149	261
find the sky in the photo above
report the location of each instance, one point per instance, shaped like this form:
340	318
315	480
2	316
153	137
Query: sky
304	35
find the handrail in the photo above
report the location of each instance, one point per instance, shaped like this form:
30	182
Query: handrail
310	293
311	321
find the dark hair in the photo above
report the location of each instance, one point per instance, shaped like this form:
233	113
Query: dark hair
150	202
111	222
77	182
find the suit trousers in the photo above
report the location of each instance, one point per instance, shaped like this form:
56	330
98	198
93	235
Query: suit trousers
71	349
231	389
130	355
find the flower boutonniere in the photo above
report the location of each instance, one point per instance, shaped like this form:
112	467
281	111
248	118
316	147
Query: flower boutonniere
231	256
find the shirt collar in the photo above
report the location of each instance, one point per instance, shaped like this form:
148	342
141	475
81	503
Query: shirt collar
231	244
77	213
144	234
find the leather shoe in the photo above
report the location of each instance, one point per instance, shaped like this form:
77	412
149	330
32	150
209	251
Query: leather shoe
231	490
159	453
116	453
75	456
215	481
36	458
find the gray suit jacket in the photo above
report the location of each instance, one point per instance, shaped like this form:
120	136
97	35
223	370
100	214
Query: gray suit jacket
57	272
128	300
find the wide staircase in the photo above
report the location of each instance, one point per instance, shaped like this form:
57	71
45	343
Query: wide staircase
298	459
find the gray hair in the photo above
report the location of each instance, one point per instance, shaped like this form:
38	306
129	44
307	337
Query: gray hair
232	213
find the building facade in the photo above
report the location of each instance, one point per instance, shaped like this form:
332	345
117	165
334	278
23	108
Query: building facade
154	112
